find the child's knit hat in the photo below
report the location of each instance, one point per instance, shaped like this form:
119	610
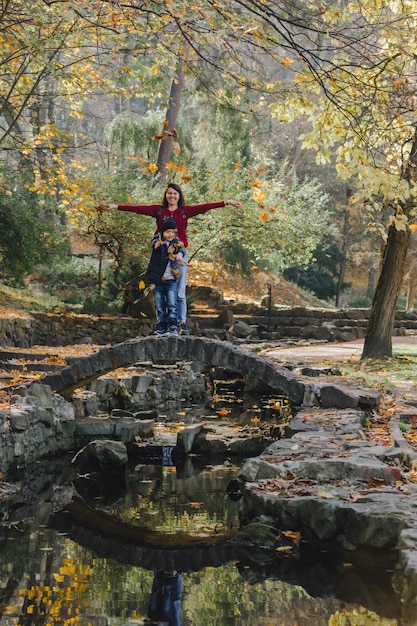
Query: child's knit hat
168	223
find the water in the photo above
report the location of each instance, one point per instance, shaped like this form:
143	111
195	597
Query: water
123	542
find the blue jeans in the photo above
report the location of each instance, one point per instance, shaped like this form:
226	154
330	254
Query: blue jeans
182	286
165	299
166	596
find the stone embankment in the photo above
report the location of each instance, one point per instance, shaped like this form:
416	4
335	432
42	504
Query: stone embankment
335	487
229	320
40	421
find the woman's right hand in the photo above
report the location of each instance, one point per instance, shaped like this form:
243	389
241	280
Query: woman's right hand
105	206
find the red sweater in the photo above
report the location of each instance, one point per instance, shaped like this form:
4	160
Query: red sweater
159	213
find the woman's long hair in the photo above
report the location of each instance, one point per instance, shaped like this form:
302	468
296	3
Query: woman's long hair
180	199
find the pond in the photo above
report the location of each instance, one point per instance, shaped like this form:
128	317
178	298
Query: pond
62	563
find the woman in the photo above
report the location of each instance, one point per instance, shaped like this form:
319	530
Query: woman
173	206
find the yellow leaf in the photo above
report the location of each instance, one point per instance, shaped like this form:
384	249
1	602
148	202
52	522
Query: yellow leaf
324	494
141	284
259	195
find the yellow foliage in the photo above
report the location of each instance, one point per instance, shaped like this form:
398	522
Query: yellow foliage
259	196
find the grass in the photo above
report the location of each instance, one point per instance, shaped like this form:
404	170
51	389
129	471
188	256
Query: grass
27	299
389	374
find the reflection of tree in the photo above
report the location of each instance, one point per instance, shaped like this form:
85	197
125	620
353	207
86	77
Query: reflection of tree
174	504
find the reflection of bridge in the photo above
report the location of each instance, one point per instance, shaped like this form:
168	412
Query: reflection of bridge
317	571
209	353
140	546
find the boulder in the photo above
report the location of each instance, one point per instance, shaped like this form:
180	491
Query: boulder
224	320
243	330
101	455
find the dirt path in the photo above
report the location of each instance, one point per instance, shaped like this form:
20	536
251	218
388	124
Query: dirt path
332	354
329	352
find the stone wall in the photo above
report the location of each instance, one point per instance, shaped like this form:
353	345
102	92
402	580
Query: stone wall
38	424
54	329
48	329
281	322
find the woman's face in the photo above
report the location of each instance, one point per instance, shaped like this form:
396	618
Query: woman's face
172	196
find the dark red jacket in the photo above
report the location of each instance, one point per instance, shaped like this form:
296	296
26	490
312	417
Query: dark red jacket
180	215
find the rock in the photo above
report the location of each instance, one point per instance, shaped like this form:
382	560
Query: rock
121	413
186	437
43	395
243	330
146	415
209	448
101	455
85	403
320	371
216	333
260	533
324	333
345	334
224	320
411	314
19	420
92	428
309	331
128	431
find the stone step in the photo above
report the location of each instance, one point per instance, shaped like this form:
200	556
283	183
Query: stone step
25	366
6	355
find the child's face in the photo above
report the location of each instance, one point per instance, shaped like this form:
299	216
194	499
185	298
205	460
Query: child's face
169	234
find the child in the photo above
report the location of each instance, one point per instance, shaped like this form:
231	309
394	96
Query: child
163	271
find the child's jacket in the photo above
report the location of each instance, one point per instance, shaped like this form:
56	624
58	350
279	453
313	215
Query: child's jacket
160	258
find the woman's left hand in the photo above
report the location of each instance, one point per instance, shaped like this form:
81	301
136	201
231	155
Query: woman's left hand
234	203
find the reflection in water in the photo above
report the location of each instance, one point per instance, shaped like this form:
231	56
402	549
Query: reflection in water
50	579
57	572
166	595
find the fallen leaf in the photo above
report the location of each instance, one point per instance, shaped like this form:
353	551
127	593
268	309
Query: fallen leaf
325	494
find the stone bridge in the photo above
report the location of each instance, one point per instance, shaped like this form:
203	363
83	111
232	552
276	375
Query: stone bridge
258	371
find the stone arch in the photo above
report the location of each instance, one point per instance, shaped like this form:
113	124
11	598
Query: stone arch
300	390
140	546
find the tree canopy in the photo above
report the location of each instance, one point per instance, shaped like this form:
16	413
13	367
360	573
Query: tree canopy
82	85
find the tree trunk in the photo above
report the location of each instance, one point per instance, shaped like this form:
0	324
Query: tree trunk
411	290
169	132
370	289
378	341
342	266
